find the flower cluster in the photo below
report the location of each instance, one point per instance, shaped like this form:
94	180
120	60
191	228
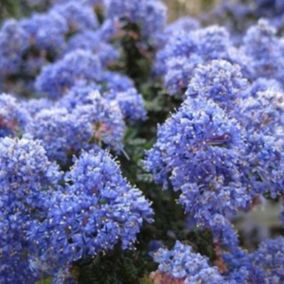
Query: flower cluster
52	51
149	15
13	42
202	140
77	17
27	178
45	226
259	55
240	14
63	198
13	118
61	133
181	263
264	51
96	210
72	76
79	65
90	40
229	149
220	81
269	258
61	55
184	50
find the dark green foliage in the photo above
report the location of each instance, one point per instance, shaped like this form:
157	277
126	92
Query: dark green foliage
9	8
19	8
115	268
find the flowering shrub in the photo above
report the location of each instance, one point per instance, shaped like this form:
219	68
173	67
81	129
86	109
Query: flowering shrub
131	148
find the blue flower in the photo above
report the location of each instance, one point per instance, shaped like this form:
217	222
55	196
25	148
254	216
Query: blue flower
62	134
13	118
183	51
66	131
264	50
89	40
26	177
200	152
149	15
269	259
179	72
219	81
181	263
46	31
97	210
77	16
105	119
13	43
57	78
115	89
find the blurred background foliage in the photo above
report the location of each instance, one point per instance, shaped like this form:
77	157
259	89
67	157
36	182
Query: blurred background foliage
179	8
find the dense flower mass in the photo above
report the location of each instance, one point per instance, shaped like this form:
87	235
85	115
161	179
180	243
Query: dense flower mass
13	118
26	178
264	51
66	130
77	17
94	91
40	227
269	258
232	154
200	139
13	42
149	15
46	32
61	133
220	81
183	51
90	40
97	210
181	263
61	76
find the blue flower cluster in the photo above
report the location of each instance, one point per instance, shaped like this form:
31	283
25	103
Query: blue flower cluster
77	17
70	83
265	265
26	179
259	55
53	51
222	148
48	221
269	258
220	81
62	56
13	42
184	50
58	78
264	50
79	73
240	14
181	263
149	15
63	198
13	118
202	140
96	210
90	40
